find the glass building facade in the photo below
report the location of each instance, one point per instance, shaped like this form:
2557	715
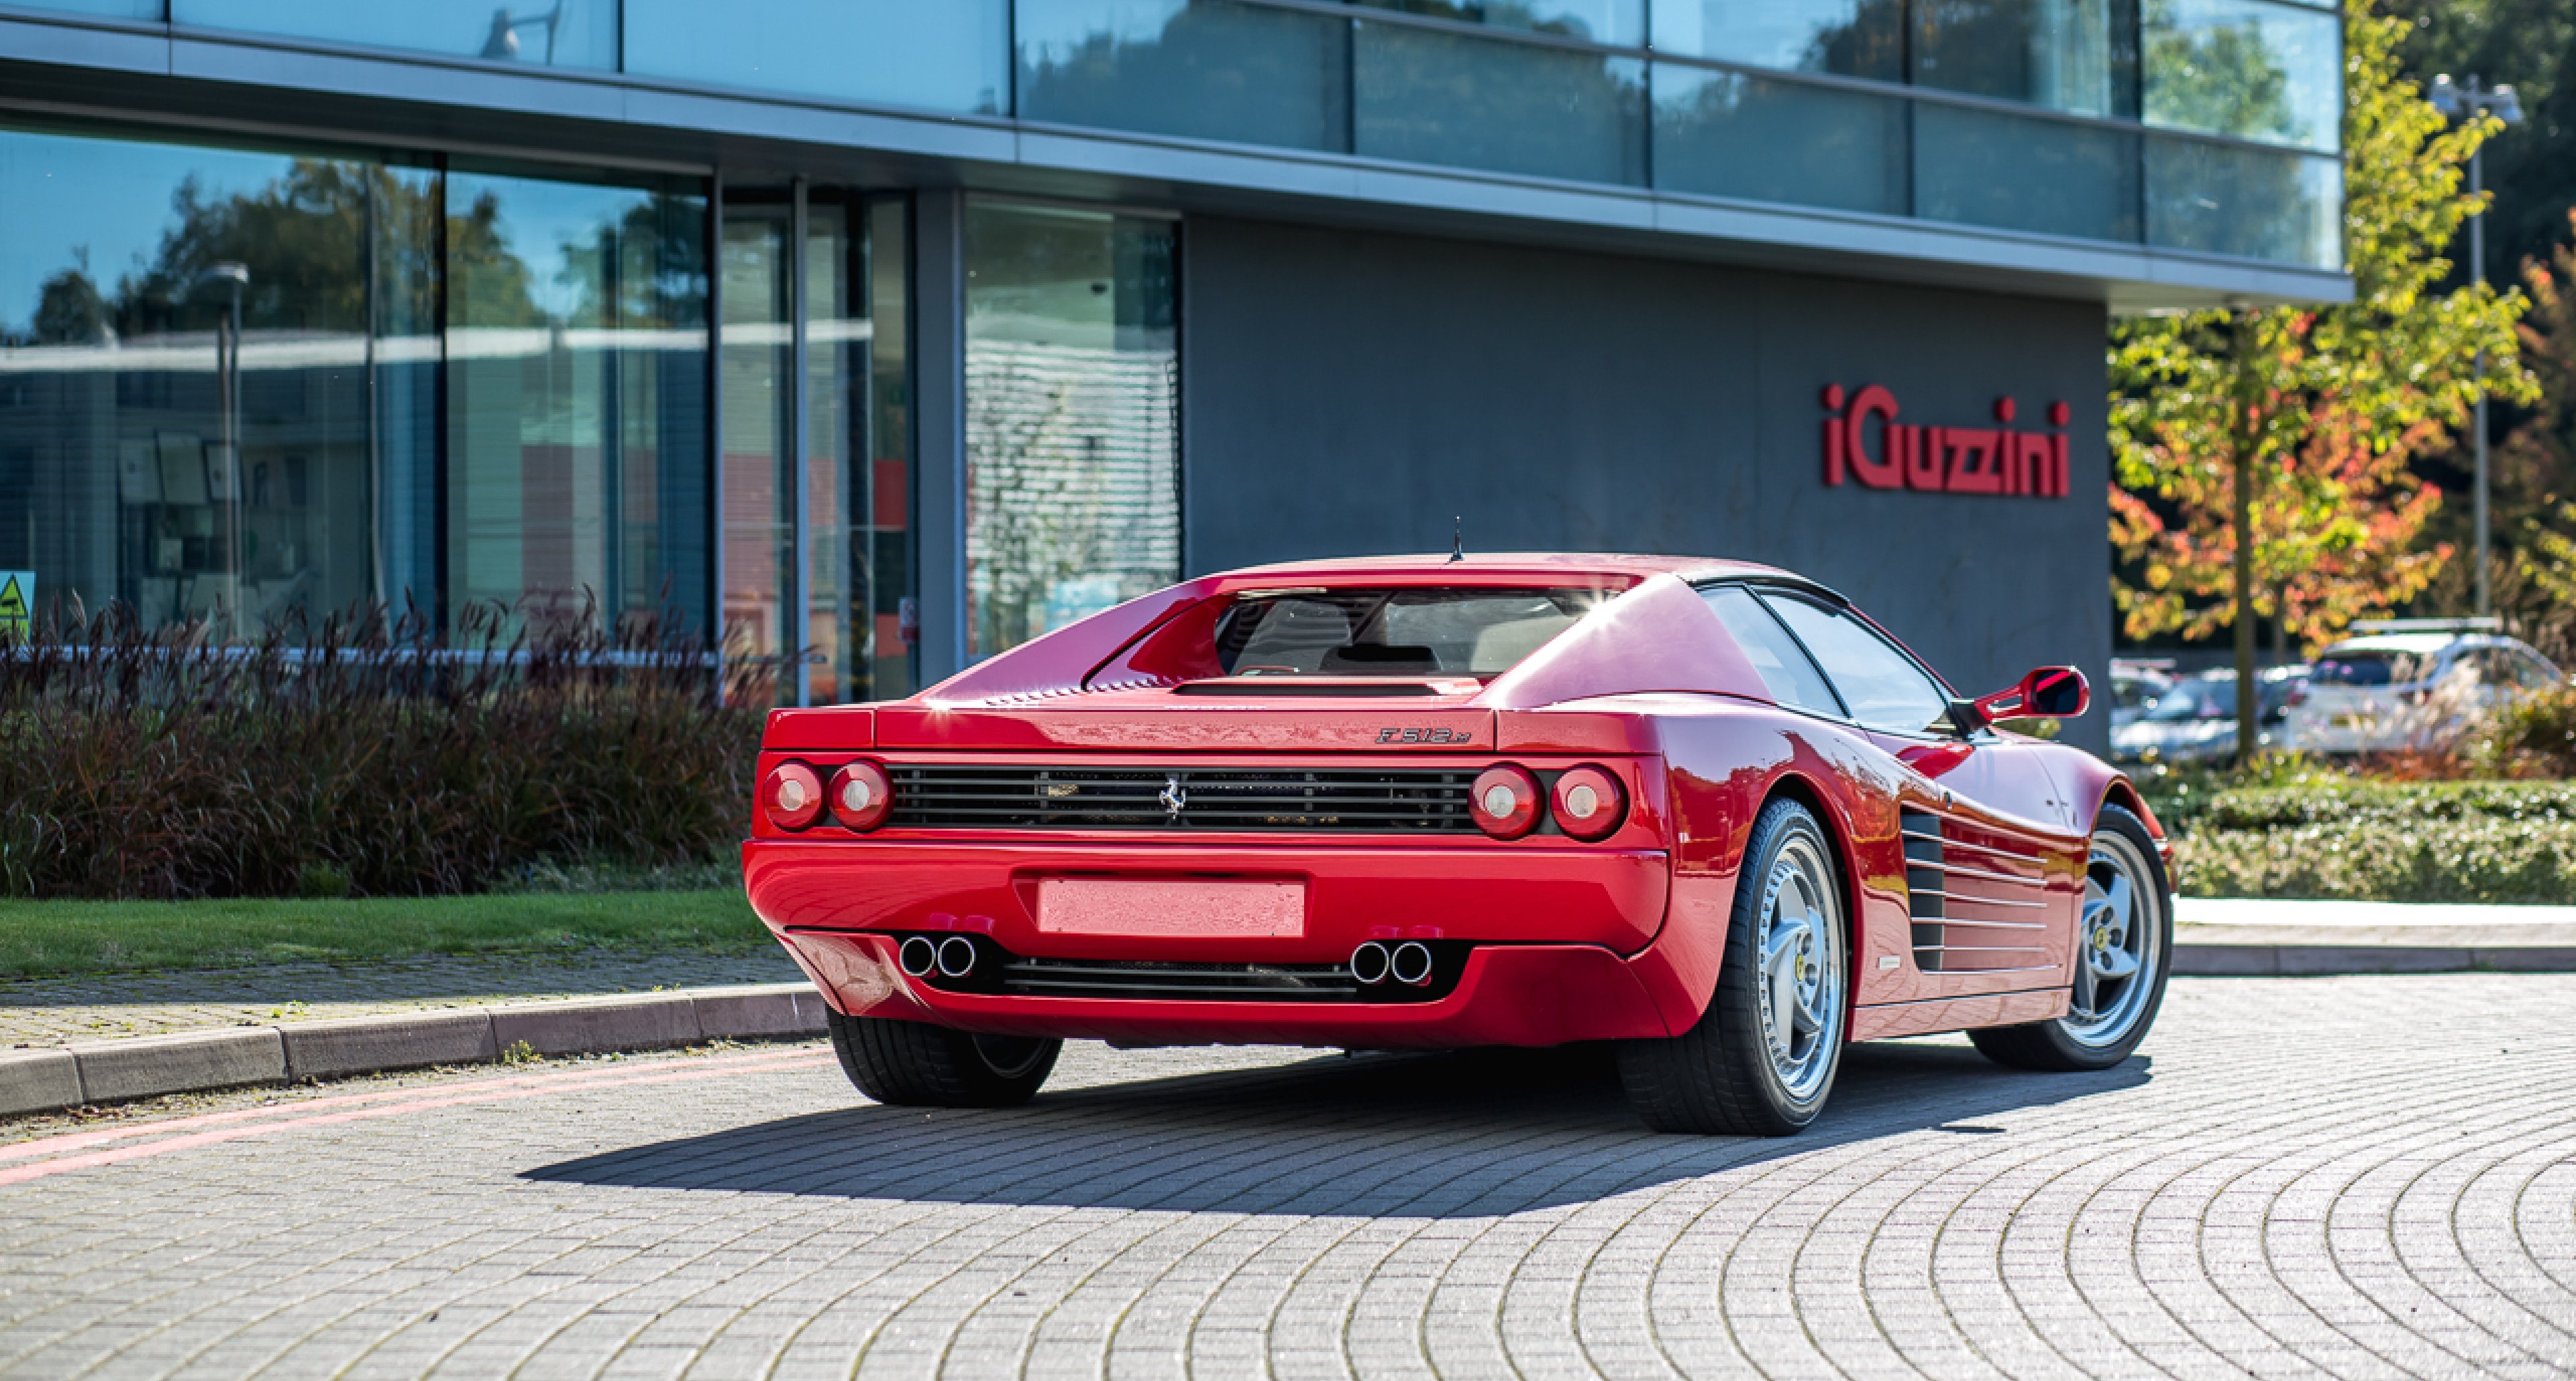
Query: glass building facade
245	375
2203	126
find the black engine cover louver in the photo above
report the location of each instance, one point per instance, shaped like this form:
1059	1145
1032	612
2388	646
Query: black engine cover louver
1232	799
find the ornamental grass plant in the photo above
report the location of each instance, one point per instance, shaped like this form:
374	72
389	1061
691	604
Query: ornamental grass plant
365	754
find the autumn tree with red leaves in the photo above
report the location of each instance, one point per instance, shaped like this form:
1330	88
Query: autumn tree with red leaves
2260	454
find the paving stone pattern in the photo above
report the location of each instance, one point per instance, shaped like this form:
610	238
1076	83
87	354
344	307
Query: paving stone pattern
2360	1177
59	1011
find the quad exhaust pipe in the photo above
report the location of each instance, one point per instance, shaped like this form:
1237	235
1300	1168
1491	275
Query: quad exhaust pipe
1408	963
920	956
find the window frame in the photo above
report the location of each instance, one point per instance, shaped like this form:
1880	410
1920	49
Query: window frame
1757	586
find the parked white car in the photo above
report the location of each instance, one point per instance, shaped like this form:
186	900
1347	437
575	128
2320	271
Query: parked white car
2411	684
2196	720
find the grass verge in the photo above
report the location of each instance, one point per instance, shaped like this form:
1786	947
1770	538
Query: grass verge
52	938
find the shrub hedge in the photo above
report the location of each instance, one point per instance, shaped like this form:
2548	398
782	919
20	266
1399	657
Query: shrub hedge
363	756
2479	841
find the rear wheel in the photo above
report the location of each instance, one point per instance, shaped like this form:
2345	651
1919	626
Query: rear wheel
2123	952
914	1064
1763	1056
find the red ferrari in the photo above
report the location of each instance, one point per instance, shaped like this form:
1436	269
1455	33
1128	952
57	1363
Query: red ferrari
1702	809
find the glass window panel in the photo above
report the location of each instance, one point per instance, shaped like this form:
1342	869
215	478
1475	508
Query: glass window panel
855	569
150	11
2014	173
576	341
2242	67
1881	686
2227	199
1851	38
1424	96
1730	135
2063	54
409	356
1784	667
1242	73
881	538
1620	23
757	468
1072	418
550	33
949	55
151	453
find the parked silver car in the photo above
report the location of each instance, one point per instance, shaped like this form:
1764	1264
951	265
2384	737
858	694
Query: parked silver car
2411	684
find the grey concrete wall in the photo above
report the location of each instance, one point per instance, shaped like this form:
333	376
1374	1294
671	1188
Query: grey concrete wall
1348	392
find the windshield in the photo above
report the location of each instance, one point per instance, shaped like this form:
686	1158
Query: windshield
1433	631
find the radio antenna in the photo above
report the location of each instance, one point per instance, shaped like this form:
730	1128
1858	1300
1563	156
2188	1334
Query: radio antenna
1457	540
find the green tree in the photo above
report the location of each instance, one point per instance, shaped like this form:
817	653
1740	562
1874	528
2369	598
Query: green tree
2261	449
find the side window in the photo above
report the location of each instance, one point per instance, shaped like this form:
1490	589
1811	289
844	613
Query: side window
1883	687
1785	671
2536	673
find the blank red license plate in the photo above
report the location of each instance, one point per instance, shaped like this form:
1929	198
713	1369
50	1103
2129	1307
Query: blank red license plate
1179	907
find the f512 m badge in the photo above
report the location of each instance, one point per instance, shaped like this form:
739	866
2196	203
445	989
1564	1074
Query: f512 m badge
1423	735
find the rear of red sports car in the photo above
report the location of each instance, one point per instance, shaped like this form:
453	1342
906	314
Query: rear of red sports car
1331	805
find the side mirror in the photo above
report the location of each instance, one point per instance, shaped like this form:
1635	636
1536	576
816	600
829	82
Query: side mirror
2048	693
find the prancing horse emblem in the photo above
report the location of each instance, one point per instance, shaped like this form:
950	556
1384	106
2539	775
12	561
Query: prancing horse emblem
1173	795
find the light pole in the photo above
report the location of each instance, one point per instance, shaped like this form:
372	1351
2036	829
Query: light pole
2461	100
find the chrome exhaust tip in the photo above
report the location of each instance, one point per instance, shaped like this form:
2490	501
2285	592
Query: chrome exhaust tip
1411	963
917	956
956	957
1369	962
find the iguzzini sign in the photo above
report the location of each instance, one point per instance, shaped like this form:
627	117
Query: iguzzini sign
1867	445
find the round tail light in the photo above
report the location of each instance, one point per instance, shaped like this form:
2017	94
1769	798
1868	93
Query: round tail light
861	795
1588	802
1504	802
792	796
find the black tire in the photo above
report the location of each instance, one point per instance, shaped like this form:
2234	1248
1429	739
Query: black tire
916	1065
2070	1043
1721	1076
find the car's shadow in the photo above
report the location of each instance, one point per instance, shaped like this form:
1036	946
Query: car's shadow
1464	1135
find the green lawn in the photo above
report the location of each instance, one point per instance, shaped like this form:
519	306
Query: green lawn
74	937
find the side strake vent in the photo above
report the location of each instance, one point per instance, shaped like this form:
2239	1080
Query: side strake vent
1976	908
1341	800
1923	879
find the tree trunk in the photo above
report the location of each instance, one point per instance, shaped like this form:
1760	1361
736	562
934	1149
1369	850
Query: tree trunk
2248	442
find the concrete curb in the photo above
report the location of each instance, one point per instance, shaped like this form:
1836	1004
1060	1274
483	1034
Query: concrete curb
2324	961
120	1071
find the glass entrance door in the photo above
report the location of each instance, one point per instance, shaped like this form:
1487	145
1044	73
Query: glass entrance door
816	463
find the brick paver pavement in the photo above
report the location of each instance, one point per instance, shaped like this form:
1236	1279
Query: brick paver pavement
2365	1177
59	1011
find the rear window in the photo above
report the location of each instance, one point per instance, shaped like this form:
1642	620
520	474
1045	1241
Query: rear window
1424	631
2368	669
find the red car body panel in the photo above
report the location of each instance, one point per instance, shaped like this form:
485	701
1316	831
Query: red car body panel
1562	940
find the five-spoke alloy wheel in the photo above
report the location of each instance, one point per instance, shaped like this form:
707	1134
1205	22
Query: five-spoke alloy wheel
2123	949
1762	1058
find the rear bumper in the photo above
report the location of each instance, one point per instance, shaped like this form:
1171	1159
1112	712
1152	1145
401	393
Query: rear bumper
1510	995
1562	939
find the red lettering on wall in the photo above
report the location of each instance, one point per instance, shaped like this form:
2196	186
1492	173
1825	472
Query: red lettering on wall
1953	460
1924	466
1975	467
1886	473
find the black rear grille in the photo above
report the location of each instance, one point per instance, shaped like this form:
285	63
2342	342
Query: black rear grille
1141	979
1362	800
